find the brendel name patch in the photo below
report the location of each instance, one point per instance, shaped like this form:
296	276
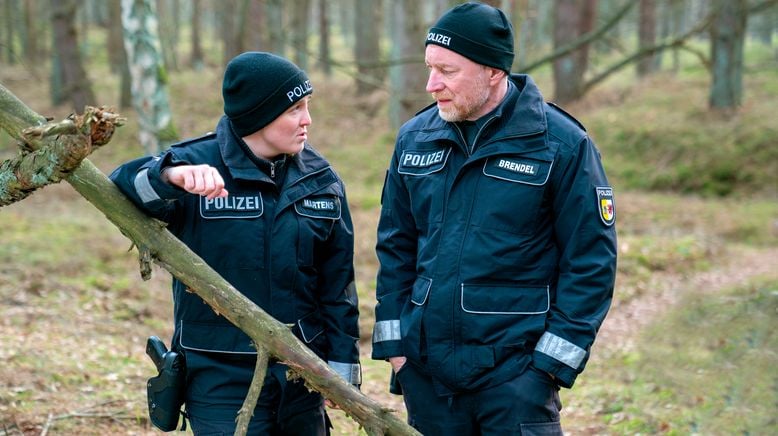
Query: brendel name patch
518	169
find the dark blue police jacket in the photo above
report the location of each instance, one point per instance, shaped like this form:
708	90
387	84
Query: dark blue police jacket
497	258
290	250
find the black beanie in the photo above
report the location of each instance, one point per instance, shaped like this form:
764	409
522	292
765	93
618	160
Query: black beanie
258	87
478	32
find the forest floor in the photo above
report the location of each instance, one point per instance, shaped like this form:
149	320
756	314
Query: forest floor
75	319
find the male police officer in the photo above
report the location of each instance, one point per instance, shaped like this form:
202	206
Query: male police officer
269	214
496	242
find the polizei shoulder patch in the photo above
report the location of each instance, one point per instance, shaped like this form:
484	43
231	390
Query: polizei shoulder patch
605	204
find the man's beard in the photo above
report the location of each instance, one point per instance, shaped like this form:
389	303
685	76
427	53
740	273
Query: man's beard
471	105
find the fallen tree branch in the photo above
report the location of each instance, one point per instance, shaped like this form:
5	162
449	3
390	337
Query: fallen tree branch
247	410
52	162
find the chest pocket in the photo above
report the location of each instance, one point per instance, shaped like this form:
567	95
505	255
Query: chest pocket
237	217
510	195
316	216
423	172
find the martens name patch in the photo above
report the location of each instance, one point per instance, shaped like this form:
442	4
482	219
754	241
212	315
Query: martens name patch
421	162
323	206
232	206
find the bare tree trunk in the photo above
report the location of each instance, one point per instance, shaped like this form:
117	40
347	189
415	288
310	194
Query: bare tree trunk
166	31
345	9
646	35
230	31
196	60
407	77
256	31
367	50
115	43
117	54
521	24
75	83
9	32
299	31
275	24
727	43
32	33
572	18
325	62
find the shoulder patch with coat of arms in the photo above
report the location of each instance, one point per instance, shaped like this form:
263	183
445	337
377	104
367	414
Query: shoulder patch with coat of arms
605	205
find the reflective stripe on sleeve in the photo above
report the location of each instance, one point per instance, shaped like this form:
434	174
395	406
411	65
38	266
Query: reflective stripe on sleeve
351	372
561	349
386	331
143	187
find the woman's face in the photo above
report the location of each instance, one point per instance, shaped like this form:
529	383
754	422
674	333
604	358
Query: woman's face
287	133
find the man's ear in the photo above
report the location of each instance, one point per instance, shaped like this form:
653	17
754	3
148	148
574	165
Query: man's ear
496	75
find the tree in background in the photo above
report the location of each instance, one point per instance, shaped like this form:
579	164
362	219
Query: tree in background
256	32
727	41
299	32
367	47
646	36
69	76
572	19
31	30
407	72
168	12
117	55
196	58
9	30
231	29
325	58
275	26
149	79
547	32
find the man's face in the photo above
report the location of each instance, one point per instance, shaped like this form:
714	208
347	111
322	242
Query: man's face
460	86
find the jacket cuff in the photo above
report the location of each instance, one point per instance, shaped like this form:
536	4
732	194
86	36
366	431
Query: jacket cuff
563	375
149	184
351	372
385	350
387	339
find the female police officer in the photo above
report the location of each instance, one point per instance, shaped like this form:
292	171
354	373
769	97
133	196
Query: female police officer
269	214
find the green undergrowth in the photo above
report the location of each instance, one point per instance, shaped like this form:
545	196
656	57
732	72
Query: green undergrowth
707	366
662	137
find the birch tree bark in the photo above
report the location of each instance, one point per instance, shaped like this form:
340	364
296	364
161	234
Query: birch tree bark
149	78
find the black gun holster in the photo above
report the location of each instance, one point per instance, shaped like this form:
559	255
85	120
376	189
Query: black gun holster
166	393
